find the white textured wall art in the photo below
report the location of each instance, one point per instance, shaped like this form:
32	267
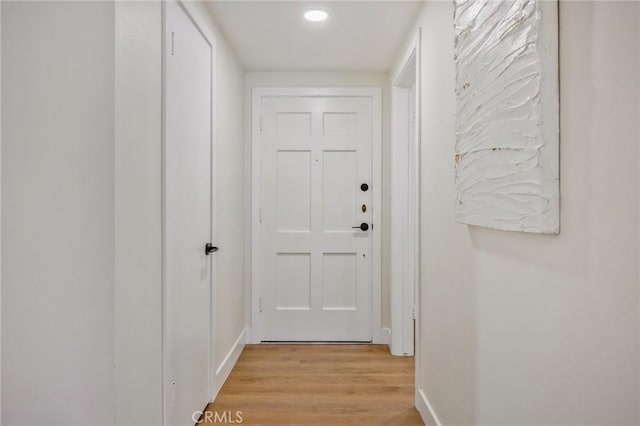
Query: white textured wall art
507	113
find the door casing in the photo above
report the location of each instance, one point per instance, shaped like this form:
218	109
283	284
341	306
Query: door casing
375	93
405	204
409	68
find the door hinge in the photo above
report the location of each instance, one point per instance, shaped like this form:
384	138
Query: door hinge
260	215
413	312
173	43
260	304
260	124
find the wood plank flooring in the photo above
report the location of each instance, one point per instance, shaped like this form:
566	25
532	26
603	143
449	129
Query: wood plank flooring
318	385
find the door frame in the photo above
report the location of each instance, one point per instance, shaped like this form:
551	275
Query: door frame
375	93
200	25
405	203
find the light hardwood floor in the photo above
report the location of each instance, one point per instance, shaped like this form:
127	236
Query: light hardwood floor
318	385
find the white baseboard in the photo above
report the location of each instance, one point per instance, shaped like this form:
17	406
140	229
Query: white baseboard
386	337
251	338
425	409
222	373
381	336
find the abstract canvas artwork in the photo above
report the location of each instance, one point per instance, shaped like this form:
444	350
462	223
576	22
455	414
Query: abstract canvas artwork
507	115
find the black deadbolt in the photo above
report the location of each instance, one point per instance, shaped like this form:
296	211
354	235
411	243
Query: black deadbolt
210	248
363	227
364	187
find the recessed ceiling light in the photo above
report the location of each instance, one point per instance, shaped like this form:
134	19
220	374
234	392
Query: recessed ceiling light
316	15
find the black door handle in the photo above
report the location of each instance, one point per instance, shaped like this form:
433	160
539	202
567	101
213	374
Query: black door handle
210	248
363	227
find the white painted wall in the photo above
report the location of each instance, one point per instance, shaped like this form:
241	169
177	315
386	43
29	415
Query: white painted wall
138	215
57	218
81	263
531	329
324	79
0	215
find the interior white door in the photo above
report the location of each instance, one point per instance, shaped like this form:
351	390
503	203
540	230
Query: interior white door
187	204
316	187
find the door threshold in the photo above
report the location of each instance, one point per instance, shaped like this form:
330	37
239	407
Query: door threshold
312	342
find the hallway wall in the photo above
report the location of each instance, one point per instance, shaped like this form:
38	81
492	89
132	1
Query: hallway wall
57	213
325	79
138	213
538	329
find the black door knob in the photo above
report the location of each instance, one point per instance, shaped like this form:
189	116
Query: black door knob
210	248
363	227
364	187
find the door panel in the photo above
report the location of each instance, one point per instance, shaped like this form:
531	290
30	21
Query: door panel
339	123
293	278
339	278
315	154
187	204
294	123
293	198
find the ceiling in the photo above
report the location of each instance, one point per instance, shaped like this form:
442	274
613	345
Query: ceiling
274	36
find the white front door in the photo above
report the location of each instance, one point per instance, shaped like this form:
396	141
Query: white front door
316	192
187	204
